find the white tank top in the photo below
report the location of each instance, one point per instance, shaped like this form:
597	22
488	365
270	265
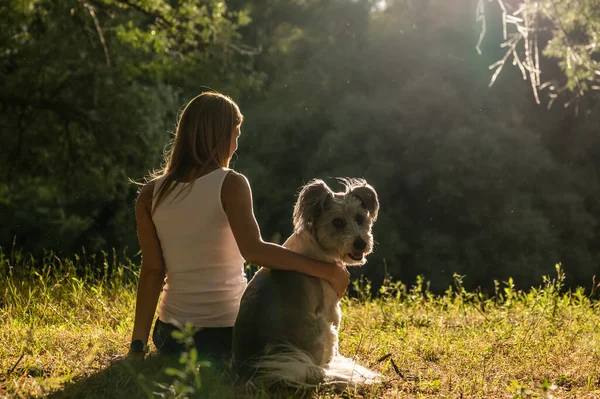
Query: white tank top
204	267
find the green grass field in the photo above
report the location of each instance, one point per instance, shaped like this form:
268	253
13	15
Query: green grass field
64	333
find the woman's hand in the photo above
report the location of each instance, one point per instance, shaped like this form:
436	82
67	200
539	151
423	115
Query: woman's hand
339	278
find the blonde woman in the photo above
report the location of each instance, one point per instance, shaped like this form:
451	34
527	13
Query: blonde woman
196	227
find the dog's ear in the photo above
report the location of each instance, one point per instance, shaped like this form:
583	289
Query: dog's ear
368	196
312	201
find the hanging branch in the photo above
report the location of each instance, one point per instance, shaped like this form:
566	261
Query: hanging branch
92	12
480	17
522	23
530	63
159	18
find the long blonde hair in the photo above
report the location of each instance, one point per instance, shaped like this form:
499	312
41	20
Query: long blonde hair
202	141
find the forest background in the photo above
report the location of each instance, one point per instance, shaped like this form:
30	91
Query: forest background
487	182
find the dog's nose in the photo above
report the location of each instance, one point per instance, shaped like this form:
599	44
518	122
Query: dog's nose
360	244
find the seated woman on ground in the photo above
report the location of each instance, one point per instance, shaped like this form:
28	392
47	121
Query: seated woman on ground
196	228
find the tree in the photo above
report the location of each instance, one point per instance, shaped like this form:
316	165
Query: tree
89	90
465	185
566	32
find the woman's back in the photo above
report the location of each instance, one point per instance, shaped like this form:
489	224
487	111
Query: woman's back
204	267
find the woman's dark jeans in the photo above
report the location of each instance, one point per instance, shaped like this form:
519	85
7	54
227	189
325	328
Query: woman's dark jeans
209	342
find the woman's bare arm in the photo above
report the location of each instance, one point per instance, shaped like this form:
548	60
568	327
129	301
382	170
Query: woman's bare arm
152	274
236	196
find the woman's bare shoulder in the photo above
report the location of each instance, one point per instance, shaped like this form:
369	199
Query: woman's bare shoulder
235	181
146	193
235	188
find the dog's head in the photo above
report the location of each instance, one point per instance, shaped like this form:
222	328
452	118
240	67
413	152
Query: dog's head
340	222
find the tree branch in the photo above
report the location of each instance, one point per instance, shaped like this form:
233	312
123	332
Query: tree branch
92	12
160	18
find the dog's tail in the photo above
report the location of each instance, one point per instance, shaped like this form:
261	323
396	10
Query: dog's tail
344	371
290	366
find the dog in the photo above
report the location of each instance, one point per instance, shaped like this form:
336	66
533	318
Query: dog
286	331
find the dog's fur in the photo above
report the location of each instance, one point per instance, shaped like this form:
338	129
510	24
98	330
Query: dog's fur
287	328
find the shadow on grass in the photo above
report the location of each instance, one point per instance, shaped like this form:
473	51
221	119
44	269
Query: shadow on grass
140	379
147	379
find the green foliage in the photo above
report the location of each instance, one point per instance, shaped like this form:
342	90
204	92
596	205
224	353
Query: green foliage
465	185
566	32
472	180
187	381
88	94
64	334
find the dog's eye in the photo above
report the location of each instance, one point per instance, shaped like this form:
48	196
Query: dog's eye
339	223
359	219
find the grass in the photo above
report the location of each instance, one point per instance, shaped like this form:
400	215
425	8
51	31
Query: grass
64	329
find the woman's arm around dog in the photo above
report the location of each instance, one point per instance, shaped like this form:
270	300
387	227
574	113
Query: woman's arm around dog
236	197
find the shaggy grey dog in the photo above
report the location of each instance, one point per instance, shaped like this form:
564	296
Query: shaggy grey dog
287	327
